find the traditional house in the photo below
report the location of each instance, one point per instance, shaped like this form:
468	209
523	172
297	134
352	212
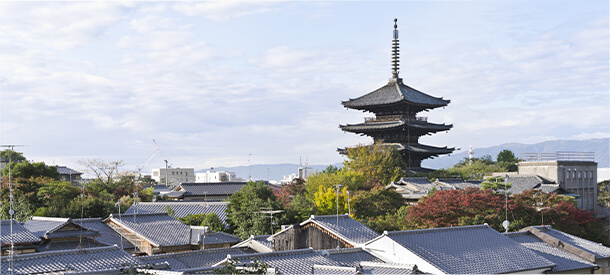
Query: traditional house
192	260
107	236
62	233
214	191
323	232
414	188
260	243
205	238
181	208
475	249
565	262
68	174
23	241
546	240
152	233
101	260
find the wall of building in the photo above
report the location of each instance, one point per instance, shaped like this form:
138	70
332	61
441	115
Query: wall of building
577	177
215	176
175	176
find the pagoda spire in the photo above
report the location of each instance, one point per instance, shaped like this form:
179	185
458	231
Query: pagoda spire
395	51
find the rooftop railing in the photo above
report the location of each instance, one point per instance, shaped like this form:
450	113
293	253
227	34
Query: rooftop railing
392	118
559	156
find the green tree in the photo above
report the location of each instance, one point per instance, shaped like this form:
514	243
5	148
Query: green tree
213	222
326	201
58	194
104	171
603	193
374	208
9	155
507	159
244	211
495	184
27	170
378	164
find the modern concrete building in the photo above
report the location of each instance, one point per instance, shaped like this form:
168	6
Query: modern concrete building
575	172
215	176
173	176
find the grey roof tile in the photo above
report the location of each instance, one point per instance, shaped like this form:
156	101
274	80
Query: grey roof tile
469	250
289	262
386	268
345	227
212	237
211	189
159	228
85	260
20	233
600	251
564	261
181	209
108	235
183	261
58	228
71	244
351	256
395	92
63	170
333	270
381	125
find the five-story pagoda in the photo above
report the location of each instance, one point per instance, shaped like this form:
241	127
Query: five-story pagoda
396	123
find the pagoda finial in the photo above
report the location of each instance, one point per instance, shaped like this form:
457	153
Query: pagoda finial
395	51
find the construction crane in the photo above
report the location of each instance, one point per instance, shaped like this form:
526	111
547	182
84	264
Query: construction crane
164	159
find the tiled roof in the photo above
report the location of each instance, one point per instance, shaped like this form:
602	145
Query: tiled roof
395	92
20	233
260	243
181	209
158	188
54	228
86	260
71	244
564	260
42	225
160	229
108	235
348	229
264	240
211	189
423	149
469	250
387	268
333	270
382	125
351	256
212	237
289	262
63	170
522	183
600	251
183	261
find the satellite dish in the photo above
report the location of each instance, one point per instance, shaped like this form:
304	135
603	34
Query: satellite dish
505	224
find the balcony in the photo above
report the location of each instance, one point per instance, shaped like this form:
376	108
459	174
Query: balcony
393	118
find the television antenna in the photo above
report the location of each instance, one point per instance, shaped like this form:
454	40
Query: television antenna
270	212
11	211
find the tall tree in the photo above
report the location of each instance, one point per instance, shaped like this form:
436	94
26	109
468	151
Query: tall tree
377	164
26	170
9	155
507	159
245	211
105	172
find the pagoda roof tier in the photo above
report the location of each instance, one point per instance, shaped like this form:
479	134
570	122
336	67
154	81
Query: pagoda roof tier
422	150
395	92
422	126
417	149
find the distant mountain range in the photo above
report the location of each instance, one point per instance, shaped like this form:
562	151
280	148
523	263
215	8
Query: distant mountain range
600	146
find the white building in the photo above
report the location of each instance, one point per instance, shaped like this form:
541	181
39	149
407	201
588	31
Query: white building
575	172
173	176
215	176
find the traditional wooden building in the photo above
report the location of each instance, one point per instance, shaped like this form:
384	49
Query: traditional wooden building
396	123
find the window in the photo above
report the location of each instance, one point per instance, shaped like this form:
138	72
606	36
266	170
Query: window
590	174
579	174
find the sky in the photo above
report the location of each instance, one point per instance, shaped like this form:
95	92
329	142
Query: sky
221	83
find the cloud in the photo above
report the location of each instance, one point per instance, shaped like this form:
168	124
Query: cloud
225	10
